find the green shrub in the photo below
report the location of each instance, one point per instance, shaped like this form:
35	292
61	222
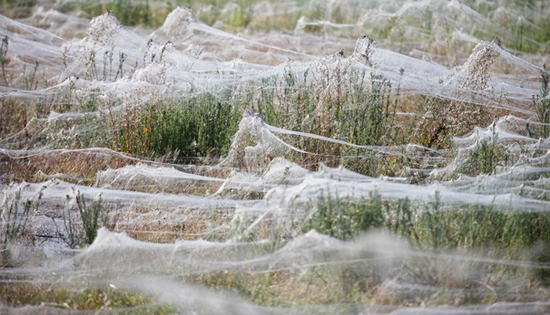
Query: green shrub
196	127
92	217
344	218
484	158
440	226
368	118
431	225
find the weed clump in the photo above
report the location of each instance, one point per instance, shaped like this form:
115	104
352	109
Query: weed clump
200	126
92	217
432	225
345	219
4	58
541	103
13	219
61	297
483	157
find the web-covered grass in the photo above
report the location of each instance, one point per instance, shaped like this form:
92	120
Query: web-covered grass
275	157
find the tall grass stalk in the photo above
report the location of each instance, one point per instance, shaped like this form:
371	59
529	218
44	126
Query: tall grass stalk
4	57
71	236
92	216
13	218
541	103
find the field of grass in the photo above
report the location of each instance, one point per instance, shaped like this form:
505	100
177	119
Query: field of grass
265	157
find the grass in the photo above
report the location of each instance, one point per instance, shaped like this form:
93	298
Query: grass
92	217
13	219
17	8
324	285
60	297
541	103
484	157
202	124
346	219
433	225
